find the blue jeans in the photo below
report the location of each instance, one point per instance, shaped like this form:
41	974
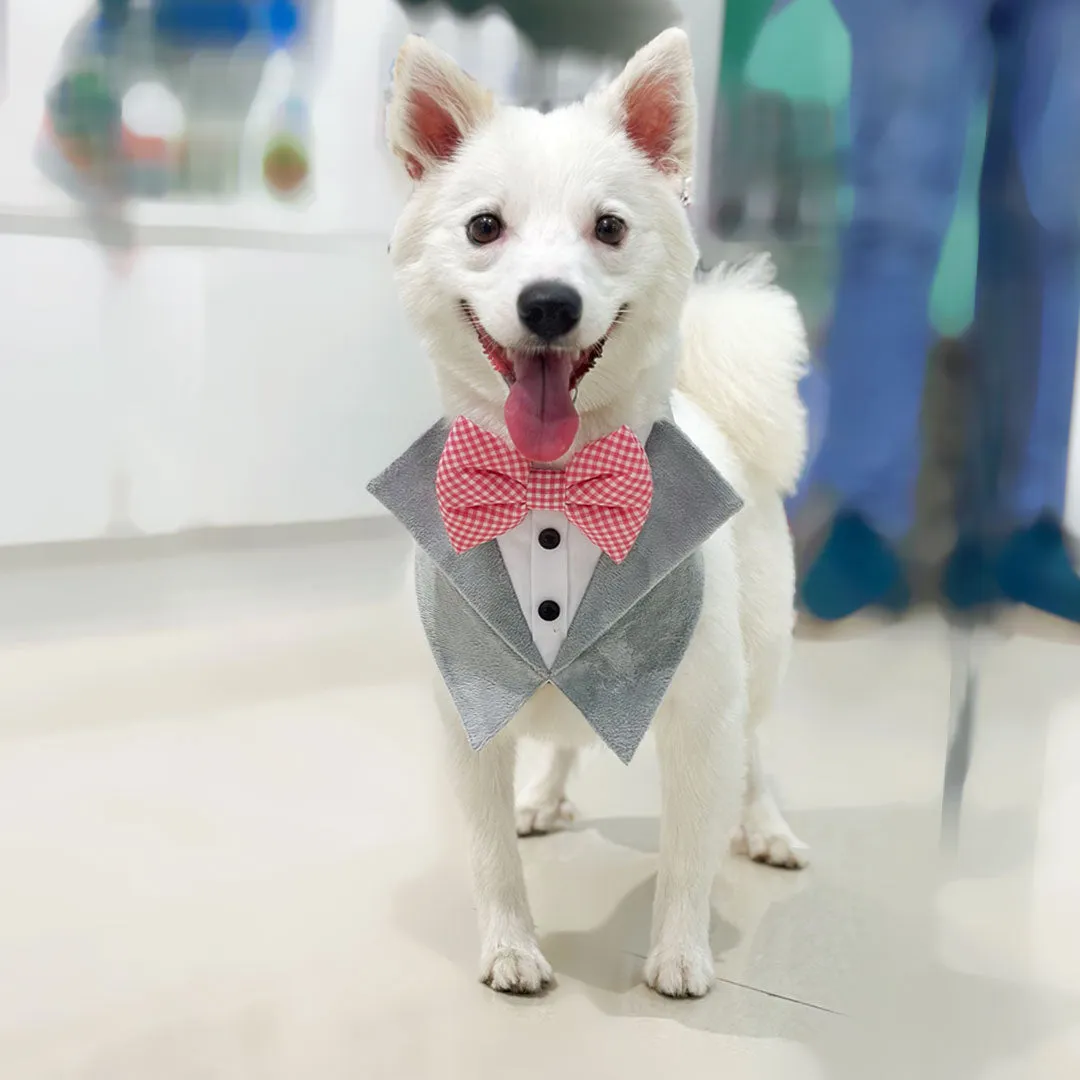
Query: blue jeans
918	69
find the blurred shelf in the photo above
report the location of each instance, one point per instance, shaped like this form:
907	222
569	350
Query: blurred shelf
32	204
180	224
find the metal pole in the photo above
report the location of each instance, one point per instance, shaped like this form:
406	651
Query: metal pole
967	647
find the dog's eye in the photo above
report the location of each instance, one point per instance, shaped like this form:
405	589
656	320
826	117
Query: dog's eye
484	228
610	229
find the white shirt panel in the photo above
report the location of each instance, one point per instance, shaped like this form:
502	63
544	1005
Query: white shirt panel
560	574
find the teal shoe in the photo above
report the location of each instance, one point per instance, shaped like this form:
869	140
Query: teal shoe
1034	568
969	581
855	569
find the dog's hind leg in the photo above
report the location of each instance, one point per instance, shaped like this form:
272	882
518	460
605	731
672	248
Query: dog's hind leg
542	805
763	834
768	584
510	958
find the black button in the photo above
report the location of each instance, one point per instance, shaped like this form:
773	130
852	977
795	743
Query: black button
549	539
548	611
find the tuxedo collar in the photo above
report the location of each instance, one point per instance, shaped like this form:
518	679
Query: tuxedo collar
691	500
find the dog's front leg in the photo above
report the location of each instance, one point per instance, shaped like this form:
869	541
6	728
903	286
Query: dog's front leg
694	745
510	958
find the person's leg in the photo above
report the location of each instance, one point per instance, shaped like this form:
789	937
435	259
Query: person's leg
1002	339
1034	567
1047	122
917	68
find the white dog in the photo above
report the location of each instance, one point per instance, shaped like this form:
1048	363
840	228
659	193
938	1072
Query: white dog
548	263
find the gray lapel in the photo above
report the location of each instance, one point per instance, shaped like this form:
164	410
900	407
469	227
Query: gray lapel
487	680
691	500
407	490
619	681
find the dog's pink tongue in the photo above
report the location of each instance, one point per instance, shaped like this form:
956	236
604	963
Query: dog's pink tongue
540	414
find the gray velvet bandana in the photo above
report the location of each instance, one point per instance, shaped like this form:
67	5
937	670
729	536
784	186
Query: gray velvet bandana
630	631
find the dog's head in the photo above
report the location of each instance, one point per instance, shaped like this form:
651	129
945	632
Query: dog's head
545	258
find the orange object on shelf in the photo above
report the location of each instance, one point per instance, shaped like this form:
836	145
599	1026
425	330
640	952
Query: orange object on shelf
285	166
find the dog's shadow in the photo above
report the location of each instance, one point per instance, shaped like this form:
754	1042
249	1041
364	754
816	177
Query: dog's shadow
861	922
607	959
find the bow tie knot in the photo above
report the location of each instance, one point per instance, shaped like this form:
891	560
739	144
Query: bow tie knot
546	490
485	488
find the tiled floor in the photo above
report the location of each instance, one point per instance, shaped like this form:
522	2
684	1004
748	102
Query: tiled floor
229	852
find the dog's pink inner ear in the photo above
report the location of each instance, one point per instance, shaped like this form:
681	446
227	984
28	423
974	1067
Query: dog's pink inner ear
434	131
651	106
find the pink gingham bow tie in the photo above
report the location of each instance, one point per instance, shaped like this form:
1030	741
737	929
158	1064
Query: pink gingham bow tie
485	488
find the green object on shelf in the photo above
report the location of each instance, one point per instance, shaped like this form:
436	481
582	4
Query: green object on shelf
83	107
743	20
804	53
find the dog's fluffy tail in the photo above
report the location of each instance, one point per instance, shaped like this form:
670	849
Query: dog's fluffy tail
744	352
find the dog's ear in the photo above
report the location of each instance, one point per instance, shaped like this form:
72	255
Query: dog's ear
433	107
653	101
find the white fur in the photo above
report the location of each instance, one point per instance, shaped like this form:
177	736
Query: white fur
742	351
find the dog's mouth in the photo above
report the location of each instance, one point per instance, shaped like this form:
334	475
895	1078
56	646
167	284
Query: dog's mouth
540	413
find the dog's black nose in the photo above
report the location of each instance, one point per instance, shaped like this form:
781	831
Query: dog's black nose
549	308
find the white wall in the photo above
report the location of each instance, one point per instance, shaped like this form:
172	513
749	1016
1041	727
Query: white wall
54	393
203	388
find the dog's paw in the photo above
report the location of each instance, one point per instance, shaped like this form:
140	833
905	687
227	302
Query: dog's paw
534	818
680	971
775	846
515	968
